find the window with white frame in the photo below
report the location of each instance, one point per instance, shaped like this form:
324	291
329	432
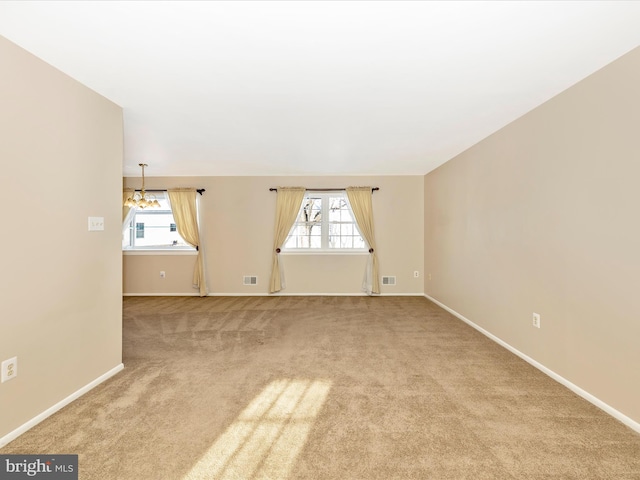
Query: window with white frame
154	229
325	223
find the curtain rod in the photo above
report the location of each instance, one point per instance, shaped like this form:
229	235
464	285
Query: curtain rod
373	189
199	190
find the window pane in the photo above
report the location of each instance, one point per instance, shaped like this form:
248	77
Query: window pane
336	203
154	227
311	210
157	228
311	229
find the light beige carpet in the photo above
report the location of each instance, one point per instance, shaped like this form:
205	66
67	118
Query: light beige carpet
326	388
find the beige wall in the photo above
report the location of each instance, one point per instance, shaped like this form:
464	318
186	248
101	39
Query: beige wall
543	216
61	154
239	215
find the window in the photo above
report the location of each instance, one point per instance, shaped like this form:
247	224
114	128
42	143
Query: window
154	229
325	223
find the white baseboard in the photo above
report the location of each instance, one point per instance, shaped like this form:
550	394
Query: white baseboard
286	294
629	422
279	294
63	403
160	294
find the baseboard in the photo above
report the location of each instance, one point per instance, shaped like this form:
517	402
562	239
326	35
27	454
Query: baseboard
286	294
629	422
63	403
160	294
279	294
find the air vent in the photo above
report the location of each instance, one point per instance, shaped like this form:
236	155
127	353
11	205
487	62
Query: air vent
249	280
388	280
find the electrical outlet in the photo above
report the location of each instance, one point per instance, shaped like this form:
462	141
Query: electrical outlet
416	274
429	276
9	369
536	320
162	274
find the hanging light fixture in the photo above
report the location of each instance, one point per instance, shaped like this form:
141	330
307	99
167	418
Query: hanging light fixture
141	199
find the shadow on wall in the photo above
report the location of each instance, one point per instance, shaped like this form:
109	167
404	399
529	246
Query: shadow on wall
266	438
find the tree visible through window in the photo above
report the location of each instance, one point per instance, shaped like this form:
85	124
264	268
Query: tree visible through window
325	222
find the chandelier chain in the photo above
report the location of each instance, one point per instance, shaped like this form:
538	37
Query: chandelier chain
141	199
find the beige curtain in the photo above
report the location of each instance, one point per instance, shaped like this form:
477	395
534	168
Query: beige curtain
288	202
362	207
185	213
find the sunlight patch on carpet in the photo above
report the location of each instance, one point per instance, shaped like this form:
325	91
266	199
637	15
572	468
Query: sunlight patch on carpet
267	436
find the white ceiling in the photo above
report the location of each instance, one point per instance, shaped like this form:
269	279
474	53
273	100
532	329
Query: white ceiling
319	88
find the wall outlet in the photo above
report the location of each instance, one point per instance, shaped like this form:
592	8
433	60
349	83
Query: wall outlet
9	369
162	274
429	276
536	320
416	274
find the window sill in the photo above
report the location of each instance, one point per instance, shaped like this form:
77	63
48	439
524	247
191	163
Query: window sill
151	251
324	252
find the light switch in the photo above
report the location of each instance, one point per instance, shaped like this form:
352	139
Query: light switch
96	223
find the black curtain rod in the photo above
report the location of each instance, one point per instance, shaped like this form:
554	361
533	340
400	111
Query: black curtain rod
373	189
199	190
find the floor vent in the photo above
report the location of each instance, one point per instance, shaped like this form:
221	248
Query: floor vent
247	280
388	280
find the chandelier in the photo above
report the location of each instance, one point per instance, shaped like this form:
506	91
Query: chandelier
141	199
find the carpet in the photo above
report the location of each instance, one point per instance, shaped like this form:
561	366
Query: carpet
326	388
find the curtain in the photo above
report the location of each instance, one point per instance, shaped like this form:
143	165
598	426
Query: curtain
362	207
288	203
185	213
127	212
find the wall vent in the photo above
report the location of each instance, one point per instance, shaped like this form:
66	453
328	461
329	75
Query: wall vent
249	280
388	280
